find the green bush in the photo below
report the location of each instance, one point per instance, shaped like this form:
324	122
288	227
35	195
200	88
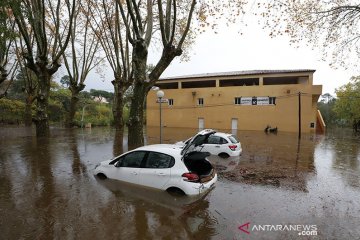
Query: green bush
98	114
11	111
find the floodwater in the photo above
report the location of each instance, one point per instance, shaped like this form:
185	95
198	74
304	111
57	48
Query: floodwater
48	191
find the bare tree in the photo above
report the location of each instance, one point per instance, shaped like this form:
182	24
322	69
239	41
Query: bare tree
81	57
170	21
331	26
111	32
49	22
8	61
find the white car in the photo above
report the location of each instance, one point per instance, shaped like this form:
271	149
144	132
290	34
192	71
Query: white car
164	166
221	144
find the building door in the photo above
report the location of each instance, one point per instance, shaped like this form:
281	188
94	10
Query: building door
201	124
234	126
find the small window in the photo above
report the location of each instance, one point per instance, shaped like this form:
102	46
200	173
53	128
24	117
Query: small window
200	101
159	160
171	102
312	125
272	100
237	100
132	160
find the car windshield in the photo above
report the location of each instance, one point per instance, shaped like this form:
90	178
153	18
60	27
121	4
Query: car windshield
233	139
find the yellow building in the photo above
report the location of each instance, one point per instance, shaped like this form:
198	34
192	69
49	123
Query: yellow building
244	100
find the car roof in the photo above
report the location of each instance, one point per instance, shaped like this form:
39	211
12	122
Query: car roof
221	134
170	149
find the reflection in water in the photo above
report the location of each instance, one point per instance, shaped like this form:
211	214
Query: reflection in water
156	212
347	156
281	160
48	191
78	167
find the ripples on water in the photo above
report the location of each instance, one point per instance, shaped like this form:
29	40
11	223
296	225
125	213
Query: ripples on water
48	191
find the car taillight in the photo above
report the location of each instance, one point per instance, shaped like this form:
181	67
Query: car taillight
233	147
190	177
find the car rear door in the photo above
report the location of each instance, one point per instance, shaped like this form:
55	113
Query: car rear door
212	145
155	171
127	169
224	145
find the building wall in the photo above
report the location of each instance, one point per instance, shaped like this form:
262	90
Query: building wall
219	107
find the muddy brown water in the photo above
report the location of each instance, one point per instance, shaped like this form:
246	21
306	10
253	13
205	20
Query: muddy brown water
48	191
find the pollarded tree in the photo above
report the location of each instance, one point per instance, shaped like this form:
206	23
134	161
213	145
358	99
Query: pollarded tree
27	80
81	57
43	24
173	22
111	32
332	26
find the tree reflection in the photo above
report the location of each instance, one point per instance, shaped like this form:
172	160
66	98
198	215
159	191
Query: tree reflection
78	168
39	191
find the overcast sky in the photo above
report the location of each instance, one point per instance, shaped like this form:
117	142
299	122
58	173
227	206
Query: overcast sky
228	50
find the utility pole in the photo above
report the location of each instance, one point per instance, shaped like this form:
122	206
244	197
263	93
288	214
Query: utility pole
299	97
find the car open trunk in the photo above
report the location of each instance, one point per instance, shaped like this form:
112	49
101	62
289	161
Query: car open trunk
196	162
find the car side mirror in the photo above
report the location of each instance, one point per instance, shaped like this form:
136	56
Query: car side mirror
118	164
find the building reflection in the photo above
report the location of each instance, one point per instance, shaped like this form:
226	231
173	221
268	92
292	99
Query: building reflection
278	160
169	135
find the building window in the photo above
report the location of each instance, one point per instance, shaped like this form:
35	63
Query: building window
171	102
200	101
272	100
172	85
198	84
280	80
239	82
237	100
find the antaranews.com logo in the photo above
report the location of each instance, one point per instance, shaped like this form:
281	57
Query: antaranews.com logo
302	230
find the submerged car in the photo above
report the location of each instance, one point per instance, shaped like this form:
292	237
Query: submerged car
164	166
221	144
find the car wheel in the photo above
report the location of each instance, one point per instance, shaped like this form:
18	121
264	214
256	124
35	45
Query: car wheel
223	155
174	191
101	176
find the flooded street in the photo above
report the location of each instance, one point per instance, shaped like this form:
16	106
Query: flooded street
48	190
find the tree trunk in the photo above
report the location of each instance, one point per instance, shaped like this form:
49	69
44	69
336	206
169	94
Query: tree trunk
118	105
69	123
28	112
3	77
118	143
136	118
42	103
